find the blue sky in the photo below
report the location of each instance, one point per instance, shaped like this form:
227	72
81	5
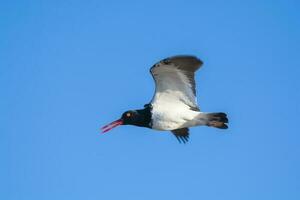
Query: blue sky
67	68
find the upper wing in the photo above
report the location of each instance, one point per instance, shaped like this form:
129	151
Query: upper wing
174	80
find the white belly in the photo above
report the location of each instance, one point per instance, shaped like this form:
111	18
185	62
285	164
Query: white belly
171	117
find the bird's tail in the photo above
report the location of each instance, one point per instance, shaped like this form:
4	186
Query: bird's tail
217	120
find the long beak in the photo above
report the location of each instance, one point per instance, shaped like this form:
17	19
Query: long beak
112	125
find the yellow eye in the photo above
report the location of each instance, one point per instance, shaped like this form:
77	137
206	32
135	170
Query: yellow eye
128	114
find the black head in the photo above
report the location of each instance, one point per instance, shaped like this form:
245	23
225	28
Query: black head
132	117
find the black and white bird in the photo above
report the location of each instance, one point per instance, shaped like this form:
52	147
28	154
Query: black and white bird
174	106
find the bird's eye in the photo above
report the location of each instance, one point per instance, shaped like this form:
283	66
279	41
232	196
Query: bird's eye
128	114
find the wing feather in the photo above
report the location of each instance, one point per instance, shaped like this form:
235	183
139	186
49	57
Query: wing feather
182	134
175	80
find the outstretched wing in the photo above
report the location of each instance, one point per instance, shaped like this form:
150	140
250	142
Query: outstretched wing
182	134
175	80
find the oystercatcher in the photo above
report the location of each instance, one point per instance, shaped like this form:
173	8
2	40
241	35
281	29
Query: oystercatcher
174	106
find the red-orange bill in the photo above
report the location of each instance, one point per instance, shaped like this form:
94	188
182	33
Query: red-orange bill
112	125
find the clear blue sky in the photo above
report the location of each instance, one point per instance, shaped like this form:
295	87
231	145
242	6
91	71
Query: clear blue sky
69	67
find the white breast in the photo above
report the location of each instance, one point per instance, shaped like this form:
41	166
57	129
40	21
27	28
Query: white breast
168	116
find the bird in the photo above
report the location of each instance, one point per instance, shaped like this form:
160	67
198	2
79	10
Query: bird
174	105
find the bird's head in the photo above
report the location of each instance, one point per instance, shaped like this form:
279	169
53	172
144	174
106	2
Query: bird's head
131	117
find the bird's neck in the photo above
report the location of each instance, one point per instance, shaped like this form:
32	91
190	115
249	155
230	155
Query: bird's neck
145	116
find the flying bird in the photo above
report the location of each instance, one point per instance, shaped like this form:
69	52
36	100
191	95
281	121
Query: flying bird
174	106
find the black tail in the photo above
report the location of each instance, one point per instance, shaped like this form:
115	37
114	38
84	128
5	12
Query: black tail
217	120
